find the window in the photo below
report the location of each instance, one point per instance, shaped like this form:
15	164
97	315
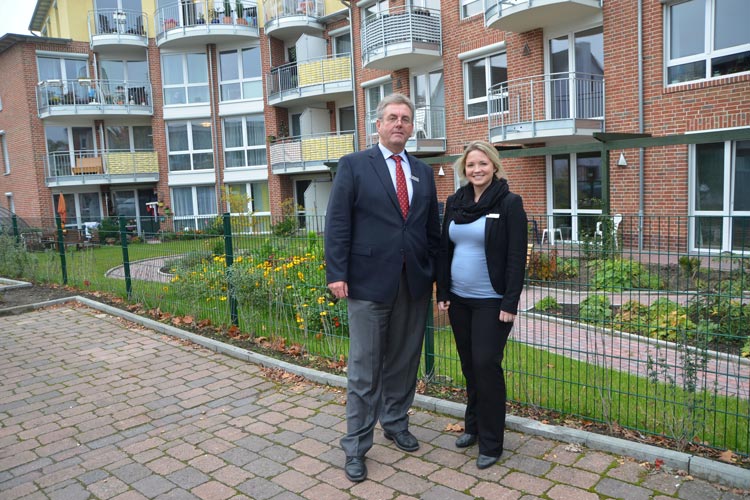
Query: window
194	207
133	138
81	207
720	196
189	145
342	45
373	96
244	141
4	157
240	72
479	75
470	8
250	198
707	39
60	77
185	79
575	194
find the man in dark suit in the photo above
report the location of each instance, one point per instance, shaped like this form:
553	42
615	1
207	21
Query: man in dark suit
382	235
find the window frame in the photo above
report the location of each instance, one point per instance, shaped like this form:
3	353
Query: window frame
5	155
487	82
242	80
245	147
199	221
462	8
185	84
191	151
707	55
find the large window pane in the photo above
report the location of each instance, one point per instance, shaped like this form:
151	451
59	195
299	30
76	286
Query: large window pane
172	68
589	181
742	176
260	196
118	138
90	208
251	67
477	80
561	182
177	135
687	23
731	23
143	138
233	132
709	170
206	200
201	135
228	63
196	68
183	201
256	131
234	159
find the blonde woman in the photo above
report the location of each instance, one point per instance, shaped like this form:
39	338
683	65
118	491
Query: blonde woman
481	268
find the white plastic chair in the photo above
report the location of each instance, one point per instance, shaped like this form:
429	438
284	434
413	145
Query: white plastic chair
556	232
615	224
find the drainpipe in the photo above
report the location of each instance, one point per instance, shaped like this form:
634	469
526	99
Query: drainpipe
641	201
210	50
348	5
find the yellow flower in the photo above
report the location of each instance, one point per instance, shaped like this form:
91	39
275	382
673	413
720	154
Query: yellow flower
323	313
166	288
301	276
289	286
305	305
223	298
321	300
331	304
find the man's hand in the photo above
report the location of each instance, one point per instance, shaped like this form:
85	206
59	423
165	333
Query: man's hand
340	289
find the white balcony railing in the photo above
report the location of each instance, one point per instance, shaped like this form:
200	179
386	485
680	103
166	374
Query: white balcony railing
118	22
84	95
206	14
293	78
554	96
398	26
274	10
310	150
82	164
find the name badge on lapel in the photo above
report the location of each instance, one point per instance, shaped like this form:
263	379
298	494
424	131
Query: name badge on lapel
493	216
415	179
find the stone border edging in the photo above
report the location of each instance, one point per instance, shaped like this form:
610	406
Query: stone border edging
697	466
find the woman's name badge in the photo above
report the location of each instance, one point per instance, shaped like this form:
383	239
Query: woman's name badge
493	216
415	179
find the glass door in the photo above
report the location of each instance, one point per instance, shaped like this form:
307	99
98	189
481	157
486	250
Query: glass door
429	100
575	195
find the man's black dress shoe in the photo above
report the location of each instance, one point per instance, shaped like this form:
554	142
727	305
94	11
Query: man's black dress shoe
465	440
355	469
484	461
404	440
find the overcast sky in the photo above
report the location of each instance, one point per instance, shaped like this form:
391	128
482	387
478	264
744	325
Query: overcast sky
15	16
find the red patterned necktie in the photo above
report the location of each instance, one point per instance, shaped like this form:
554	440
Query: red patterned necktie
401	192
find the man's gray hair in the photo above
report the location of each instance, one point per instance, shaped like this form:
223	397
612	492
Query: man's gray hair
394	99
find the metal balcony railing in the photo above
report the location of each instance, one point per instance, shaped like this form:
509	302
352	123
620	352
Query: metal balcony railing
399	25
87	163
429	123
273	10
117	22
205	13
310	150
495	7
88	93
554	96
295	77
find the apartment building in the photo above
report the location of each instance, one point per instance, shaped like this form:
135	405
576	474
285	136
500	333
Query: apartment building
124	103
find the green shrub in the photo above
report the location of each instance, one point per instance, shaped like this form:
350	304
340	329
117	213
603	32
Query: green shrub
547	304
13	257
595	309
633	317
109	228
623	274
669	320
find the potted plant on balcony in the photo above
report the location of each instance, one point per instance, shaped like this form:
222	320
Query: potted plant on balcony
227	12
201	19
169	24
217	14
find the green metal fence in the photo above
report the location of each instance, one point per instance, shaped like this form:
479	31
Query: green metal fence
654	339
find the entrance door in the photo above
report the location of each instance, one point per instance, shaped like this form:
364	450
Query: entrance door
576	194
429	100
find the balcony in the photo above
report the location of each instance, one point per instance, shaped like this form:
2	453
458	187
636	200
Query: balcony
288	19
316	80
429	130
76	168
310	152
519	16
205	21
401	37
117	29
557	108
91	97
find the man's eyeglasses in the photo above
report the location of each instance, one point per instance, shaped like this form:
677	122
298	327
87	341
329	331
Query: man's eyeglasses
392	119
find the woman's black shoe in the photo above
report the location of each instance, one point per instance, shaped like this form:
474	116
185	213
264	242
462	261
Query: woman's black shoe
465	440
484	461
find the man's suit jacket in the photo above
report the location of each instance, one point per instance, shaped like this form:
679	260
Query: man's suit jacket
367	241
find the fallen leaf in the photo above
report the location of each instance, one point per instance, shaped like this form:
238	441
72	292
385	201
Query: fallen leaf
454	428
727	456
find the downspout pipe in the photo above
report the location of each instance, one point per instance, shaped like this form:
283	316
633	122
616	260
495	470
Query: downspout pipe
349	6
641	155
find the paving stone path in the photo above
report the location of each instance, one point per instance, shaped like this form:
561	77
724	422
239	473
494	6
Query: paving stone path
94	407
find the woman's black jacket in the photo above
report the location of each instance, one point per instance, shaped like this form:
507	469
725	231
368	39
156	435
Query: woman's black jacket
505	247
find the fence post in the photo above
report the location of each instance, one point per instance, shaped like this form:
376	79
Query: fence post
125	257
14	221
61	249
429	343
229	258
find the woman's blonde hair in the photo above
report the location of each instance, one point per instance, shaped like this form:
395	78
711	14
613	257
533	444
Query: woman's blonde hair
486	148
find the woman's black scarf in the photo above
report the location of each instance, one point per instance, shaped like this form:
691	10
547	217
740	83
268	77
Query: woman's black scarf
466	210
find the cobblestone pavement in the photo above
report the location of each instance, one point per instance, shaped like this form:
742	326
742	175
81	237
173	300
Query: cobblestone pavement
92	406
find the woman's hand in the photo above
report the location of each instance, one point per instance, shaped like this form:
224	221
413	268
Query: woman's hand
443	305
506	317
